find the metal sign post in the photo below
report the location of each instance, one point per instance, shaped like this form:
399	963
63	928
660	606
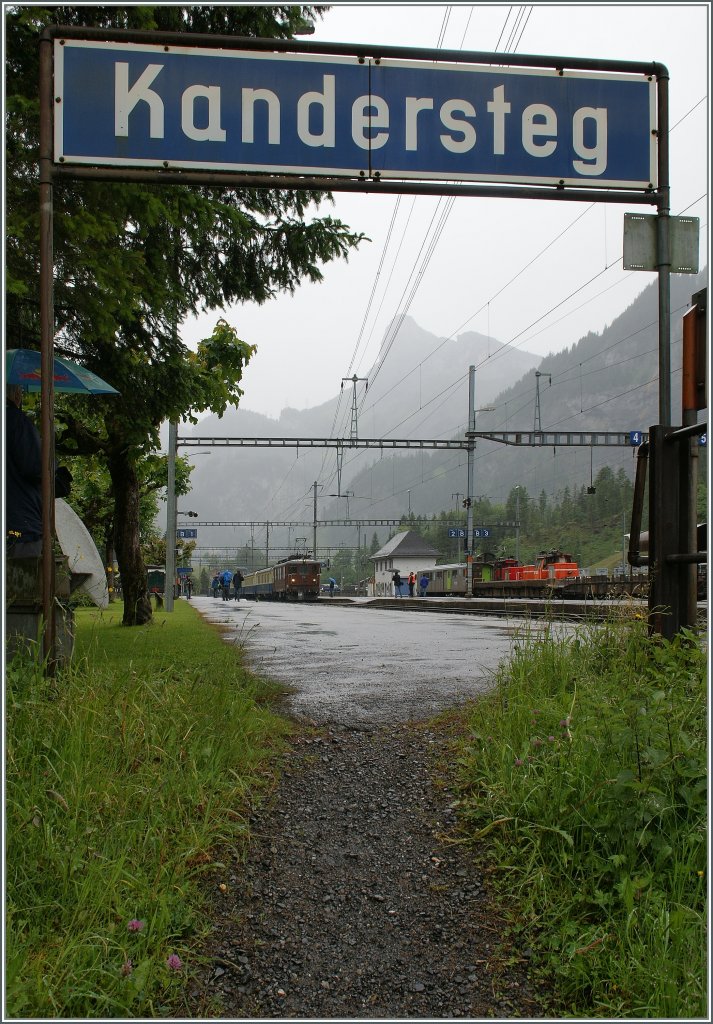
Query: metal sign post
171	513
47	352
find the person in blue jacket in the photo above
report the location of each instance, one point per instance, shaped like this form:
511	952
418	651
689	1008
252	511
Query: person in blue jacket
226	579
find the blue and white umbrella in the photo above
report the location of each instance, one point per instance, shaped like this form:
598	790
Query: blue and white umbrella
23	366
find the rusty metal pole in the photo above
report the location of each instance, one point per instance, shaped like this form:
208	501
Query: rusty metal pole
690	403
663	504
663	253
47	349
171	513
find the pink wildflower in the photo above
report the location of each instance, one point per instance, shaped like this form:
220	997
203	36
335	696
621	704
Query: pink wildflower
518	762
537	742
135	925
174	962
127	967
551	739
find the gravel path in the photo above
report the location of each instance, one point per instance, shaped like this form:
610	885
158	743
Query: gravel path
353	903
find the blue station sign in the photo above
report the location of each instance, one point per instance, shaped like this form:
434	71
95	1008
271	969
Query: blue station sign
150	106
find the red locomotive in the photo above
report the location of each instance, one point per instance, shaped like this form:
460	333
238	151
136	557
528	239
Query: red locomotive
549	565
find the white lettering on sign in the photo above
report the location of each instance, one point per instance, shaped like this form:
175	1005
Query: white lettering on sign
363	119
212	132
498	107
317	123
596	153
126	99
249	98
467	130
413	107
325	100
539	121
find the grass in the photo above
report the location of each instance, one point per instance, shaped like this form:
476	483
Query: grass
584	772
124	776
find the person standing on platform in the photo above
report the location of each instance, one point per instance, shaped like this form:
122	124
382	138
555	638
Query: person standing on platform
23	479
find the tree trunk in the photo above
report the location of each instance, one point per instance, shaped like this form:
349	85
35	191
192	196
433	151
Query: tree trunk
137	604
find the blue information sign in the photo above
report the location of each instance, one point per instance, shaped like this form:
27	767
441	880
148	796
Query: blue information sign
141	105
636	438
456	533
481	532
187	534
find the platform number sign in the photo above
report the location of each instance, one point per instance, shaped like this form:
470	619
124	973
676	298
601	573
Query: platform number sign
636	438
703	440
456	533
187	534
481	532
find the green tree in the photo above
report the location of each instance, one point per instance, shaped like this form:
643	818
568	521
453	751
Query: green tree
203	581
133	261
91	495
342	566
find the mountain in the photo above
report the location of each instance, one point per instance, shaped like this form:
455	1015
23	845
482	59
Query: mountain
419	388
245	484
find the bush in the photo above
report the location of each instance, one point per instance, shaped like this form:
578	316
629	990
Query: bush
586	770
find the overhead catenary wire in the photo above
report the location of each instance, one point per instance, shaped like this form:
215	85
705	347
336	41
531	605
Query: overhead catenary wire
552	309
521	271
448	209
385	350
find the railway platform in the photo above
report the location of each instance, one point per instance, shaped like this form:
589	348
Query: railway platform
521	607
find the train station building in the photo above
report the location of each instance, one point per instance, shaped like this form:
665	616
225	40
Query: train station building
407	552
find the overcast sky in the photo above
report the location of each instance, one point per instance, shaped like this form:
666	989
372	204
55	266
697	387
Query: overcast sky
536	274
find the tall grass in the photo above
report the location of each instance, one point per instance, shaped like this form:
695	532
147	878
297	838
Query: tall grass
585	771
124	776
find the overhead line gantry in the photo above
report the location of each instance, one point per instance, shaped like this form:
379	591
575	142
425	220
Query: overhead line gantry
520	438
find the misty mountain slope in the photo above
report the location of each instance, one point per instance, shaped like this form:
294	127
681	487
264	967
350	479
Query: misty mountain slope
604	381
245	484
